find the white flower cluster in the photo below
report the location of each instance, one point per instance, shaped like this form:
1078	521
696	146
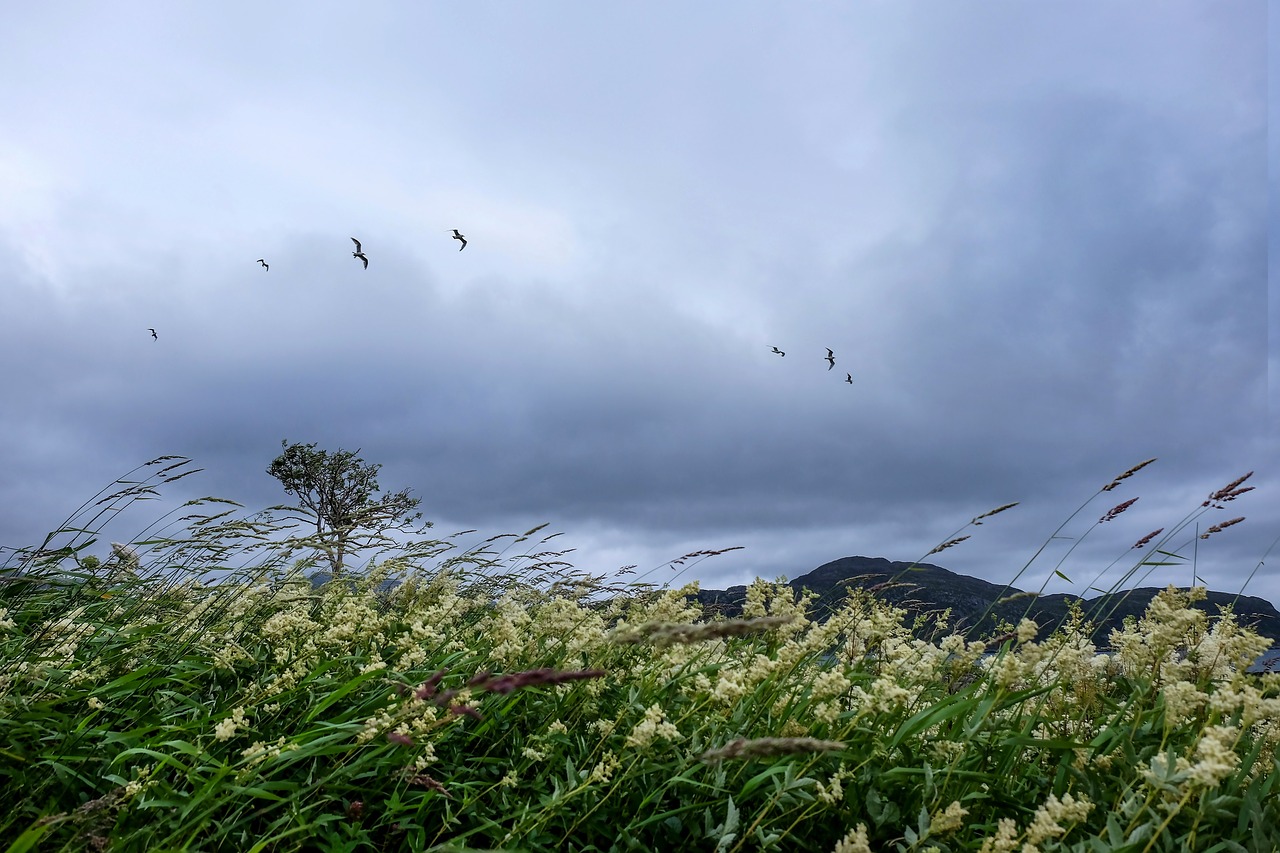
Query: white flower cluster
226	729
1047	825
259	751
854	842
654	726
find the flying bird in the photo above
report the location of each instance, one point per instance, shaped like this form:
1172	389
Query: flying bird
458	236
359	253
848	377
831	359
779	352
265	266
153	334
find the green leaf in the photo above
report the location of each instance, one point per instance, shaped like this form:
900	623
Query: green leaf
29	839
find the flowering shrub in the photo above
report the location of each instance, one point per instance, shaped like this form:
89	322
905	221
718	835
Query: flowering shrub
547	712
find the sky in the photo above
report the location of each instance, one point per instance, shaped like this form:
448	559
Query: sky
1035	237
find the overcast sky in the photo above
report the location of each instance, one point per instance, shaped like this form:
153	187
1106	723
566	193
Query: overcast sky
1034	234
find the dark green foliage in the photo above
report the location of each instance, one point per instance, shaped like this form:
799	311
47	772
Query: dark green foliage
337	492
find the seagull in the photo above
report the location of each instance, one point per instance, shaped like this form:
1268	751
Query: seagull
831	359
458	236
848	377
153	334
265	266
779	352
359	253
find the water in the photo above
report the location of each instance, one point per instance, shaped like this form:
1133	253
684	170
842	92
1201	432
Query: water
1268	662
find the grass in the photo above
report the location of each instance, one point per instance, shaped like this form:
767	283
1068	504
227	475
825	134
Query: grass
497	699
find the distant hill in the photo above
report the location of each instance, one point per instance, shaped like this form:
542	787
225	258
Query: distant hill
926	589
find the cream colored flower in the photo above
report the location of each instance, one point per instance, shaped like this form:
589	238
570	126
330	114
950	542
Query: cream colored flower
854	842
226	729
603	771
1215	757
948	820
1049	818
1005	840
652	727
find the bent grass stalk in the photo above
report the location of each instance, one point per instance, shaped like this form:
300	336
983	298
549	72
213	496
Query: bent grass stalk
506	701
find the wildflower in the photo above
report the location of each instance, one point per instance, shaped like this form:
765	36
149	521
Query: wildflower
1027	630
1182	700
729	687
1216	757
887	694
854	842
137	786
226	729
948	820
833	791
1005	840
653	726
260	751
603	771
1049	817
95	703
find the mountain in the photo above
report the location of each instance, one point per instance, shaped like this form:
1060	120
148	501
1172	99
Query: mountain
924	590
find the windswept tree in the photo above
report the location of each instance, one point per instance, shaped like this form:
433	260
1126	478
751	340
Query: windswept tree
338	493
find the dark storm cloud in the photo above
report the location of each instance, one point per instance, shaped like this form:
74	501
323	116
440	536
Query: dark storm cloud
1034	238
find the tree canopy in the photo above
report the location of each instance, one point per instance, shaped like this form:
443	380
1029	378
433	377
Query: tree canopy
338	493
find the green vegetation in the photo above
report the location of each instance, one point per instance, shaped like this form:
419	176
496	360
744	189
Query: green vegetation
337	494
495	698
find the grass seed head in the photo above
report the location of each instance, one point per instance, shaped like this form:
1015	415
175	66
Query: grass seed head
1127	474
945	545
1145	539
992	512
667	633
770	746
1116	510
1230	491
1218	528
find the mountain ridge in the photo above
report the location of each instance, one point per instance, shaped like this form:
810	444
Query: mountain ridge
924	589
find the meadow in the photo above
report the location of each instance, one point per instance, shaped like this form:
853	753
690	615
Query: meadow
196	690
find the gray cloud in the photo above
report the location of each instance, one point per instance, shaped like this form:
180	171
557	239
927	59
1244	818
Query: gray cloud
1036	238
